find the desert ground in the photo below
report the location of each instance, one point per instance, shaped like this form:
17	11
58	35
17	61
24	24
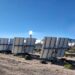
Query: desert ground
13	65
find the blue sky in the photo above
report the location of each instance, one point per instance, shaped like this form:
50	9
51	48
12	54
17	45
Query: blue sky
43	17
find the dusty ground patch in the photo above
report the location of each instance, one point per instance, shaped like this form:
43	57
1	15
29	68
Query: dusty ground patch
12	65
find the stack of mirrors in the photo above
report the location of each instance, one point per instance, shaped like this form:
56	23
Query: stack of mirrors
4	44
18	45
61	45
48	48
10	45
53	47
30	45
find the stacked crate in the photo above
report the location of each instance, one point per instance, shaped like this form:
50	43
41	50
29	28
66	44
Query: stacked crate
3	44
18	45
30	45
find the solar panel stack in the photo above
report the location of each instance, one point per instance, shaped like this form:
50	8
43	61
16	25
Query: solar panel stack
62	45
30	45
18	45
3	44
10	45
48	47
53	47
51	52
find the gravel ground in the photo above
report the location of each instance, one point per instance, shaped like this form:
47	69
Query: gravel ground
12	65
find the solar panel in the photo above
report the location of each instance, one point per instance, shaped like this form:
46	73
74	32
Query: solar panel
30	45
18	44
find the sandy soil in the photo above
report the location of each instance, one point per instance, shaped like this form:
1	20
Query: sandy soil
12	65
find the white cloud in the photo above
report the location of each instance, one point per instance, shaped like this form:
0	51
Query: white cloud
39	41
